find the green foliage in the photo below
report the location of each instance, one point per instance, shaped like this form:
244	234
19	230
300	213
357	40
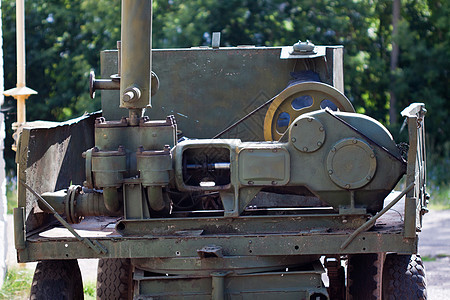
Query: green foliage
11	193
89	289
424	40
64	39
17	284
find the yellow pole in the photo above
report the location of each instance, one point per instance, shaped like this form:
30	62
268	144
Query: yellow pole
20	37
21	92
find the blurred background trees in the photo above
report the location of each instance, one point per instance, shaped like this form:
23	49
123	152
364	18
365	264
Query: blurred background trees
64	38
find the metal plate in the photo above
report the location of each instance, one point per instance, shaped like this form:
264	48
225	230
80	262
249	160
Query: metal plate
209	89
351	163
307	134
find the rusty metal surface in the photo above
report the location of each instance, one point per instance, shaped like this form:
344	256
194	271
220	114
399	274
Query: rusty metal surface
49	158
39	248
243	225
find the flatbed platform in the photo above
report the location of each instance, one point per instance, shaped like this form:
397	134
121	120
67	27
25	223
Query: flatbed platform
174	240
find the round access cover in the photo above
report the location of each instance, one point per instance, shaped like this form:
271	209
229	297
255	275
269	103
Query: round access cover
307	134
351	163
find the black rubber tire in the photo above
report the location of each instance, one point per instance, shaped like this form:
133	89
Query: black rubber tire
57	280
114	279
362	276
404	278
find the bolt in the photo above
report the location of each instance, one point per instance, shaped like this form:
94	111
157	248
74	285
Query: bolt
250	242
293	140
250	150
128	96
333	149
319	144
344	221
131	94
330	172
321	128
305	149
274	183
372	155
310	119
354	141
275	150
251	183
347	186
368	178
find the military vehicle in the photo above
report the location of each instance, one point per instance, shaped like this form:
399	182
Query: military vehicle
221	173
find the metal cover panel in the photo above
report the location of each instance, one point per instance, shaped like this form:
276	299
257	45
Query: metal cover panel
49	158
209	89
264	166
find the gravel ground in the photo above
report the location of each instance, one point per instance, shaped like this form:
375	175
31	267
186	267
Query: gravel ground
434	247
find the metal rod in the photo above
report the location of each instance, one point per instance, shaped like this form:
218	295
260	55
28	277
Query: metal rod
20	38
369	223
106	84
245	117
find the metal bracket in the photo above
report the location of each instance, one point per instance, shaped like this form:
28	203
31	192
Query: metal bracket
371	222
210	251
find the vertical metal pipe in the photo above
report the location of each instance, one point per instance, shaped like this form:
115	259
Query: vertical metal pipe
20	38
136	46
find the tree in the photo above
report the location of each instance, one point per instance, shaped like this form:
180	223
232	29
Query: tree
64	39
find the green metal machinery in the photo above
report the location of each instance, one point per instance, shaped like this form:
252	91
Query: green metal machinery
221	173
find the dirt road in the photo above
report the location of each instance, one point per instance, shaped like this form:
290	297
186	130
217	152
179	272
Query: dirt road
434	247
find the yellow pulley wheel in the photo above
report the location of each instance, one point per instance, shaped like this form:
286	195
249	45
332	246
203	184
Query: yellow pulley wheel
299	99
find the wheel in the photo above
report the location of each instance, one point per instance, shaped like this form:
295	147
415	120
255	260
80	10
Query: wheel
114	279
57	280
299	99
362	276
404	278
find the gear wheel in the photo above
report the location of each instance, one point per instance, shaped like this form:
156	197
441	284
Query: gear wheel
299	99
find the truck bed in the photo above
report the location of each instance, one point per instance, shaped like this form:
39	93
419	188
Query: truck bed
59	243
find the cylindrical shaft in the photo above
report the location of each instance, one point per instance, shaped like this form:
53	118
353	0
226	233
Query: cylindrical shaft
136	46
20	36
21	109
